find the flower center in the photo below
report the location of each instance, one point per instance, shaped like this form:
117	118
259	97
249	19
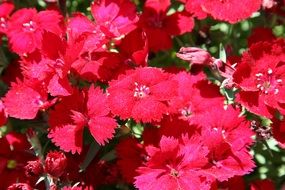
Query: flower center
185	112
38	101
29	26
141	91
172	171
268	83
156	21
59	63
11	164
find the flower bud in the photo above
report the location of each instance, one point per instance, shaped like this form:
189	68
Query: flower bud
55	163
194	55
20	186
33	168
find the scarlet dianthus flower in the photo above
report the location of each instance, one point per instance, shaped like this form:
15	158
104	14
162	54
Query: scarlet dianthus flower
131	155
196	96
27	27
159	27
141	94
74	112
260	77
228	150
6	9
226	10
174	164
25	99
114	17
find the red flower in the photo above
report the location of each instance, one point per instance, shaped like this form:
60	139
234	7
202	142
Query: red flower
261	76
27	27
131	155
34	168
159	27
234	183
265	184
226	10
103	66
20	186
6	9
174	165
14	154
196	96
228	150
53	65
114	17
135	47
76	111
278	130
25	99
141	94
81	28
260	34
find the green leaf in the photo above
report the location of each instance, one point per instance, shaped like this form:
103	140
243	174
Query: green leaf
222	53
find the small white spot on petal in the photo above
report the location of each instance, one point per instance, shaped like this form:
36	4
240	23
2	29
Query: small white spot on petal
276	91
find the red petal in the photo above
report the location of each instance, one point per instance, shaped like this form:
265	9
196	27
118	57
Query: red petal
67	137
102	128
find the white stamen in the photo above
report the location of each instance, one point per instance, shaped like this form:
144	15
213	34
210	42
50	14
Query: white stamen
276	91
269	71
259	75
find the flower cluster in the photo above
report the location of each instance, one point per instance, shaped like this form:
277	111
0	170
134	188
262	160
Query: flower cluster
117	97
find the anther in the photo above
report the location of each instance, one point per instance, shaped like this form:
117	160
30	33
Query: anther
269	71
